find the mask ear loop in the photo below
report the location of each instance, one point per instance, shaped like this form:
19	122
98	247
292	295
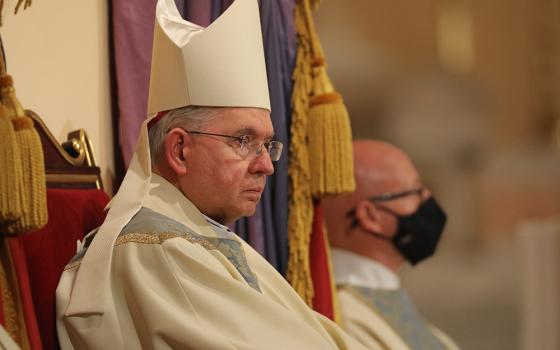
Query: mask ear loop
352	214
388	210
355	223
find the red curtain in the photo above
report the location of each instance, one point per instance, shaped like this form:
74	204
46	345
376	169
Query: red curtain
319	264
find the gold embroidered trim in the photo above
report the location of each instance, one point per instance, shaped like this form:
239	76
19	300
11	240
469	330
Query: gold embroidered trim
150	238
160	237
72	265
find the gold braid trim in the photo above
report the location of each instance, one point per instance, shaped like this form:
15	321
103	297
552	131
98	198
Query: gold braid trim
159	238
72	265
151	238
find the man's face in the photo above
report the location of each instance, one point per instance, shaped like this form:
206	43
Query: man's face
219	181
405	180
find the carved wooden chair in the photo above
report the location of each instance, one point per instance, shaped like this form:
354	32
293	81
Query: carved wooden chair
76	203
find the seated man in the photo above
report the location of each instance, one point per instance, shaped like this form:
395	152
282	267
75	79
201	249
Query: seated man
163	271
390	219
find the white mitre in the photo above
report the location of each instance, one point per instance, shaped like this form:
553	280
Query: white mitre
219	66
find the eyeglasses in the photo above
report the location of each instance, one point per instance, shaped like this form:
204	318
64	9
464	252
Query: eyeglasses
247	146
389	196
385	197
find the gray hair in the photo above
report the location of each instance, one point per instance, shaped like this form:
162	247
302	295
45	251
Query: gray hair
190	118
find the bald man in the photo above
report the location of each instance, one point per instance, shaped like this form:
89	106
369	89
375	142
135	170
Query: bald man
390	219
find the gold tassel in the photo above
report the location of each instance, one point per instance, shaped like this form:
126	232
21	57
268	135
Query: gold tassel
330	143
11	202
329	130
33	176
301	204
11	184
11	208
33	167
321	146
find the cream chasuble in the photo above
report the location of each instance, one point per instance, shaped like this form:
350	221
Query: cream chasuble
375	310
179	281
6	341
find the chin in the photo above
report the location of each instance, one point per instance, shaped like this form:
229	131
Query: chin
250	212
249	209
242	212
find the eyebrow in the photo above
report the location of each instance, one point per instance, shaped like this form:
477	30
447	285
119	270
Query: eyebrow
252	132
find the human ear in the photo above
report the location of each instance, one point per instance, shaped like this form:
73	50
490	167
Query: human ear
176	150
368	216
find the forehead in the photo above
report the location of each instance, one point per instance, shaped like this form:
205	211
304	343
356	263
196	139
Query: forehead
402	174
392	173
250	120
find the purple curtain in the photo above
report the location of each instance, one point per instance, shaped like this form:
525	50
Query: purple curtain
133	24
133	31
133	27
280	47
199	12
267	230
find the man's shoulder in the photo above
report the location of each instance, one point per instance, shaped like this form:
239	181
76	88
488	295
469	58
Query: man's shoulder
149	221
147	227
150	227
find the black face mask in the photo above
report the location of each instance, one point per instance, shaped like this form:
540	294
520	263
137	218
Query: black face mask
417	234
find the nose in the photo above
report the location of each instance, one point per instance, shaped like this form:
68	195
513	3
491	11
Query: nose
262	164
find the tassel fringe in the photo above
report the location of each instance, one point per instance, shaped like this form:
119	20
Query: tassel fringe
330	145
31	193
330	137
34	188
11	206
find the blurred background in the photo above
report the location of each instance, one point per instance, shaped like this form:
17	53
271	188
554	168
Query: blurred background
469	88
